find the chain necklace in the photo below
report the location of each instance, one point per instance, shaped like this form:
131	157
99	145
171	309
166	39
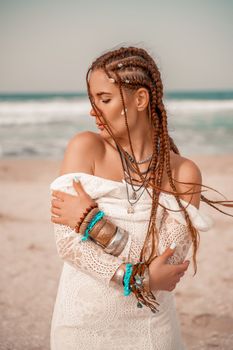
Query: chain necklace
128	164
140	161
135	190
133	169
125	164
136	198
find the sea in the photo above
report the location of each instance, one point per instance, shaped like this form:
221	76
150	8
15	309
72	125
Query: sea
39	125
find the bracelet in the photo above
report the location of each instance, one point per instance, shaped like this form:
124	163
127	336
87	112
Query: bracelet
139	277
87	220
96	218
104	236
104	233
126	280
117	279
87	210
101	232
117	243
139	283
97	228
135	279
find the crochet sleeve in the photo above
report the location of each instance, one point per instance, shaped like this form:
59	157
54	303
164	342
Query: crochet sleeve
173	228
171	231
87	255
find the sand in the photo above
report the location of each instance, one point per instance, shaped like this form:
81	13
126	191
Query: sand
30	267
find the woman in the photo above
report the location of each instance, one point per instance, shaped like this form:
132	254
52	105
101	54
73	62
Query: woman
126	211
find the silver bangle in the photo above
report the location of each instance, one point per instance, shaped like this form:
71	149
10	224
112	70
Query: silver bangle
117	243
114	242
121	245
117	279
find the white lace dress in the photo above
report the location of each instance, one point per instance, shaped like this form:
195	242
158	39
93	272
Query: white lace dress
89	314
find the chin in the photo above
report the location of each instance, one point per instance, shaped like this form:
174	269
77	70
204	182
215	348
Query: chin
104	134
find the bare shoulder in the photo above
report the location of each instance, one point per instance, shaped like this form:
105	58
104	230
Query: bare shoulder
186	170
80	153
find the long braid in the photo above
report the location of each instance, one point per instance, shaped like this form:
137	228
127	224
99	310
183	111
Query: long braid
167	144
156	181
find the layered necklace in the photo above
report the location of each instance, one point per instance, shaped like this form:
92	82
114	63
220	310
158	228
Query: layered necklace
127	162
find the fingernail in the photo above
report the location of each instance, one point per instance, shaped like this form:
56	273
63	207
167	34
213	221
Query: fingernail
76	179
173	245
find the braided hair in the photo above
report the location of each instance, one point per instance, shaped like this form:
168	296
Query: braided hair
132	68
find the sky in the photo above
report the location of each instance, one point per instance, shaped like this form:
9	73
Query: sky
48	45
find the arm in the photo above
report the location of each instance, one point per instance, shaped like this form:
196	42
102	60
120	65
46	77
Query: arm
172	226
83	255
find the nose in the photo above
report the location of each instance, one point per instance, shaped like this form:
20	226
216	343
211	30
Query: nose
92	112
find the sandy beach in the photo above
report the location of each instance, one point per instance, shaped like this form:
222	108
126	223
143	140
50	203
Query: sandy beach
30	267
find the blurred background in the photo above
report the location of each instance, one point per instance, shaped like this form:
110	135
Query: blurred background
46	49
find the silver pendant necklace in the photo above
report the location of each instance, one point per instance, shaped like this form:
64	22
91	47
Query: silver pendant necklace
130	209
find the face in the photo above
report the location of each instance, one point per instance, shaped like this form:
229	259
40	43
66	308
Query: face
106	96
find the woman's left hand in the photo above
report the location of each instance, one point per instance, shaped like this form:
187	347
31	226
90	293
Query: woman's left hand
68	209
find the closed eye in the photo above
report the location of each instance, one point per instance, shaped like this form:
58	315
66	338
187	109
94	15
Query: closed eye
106	101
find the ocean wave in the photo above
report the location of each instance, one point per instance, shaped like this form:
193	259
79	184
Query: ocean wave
190	106
52	145
61	110
21	113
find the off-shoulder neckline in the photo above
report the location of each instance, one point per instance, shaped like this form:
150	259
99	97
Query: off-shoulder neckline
169	198
98	177
122	182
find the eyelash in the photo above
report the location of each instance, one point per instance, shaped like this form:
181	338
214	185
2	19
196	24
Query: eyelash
106	101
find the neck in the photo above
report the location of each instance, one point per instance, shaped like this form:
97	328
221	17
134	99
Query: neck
141	139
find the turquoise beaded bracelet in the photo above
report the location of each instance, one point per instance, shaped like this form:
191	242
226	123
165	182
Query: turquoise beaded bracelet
126	280
92	223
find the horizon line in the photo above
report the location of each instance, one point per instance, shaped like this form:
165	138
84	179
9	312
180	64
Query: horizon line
71	92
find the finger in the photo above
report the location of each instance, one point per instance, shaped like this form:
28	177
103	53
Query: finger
56	211
172	287
56	220
180	274
169	252
58	194
182	267
186	264
56	203
77	185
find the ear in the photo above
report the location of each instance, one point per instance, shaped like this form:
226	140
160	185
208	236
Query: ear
142	99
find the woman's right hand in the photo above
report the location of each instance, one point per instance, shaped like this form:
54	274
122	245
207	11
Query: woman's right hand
69	208
164	276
